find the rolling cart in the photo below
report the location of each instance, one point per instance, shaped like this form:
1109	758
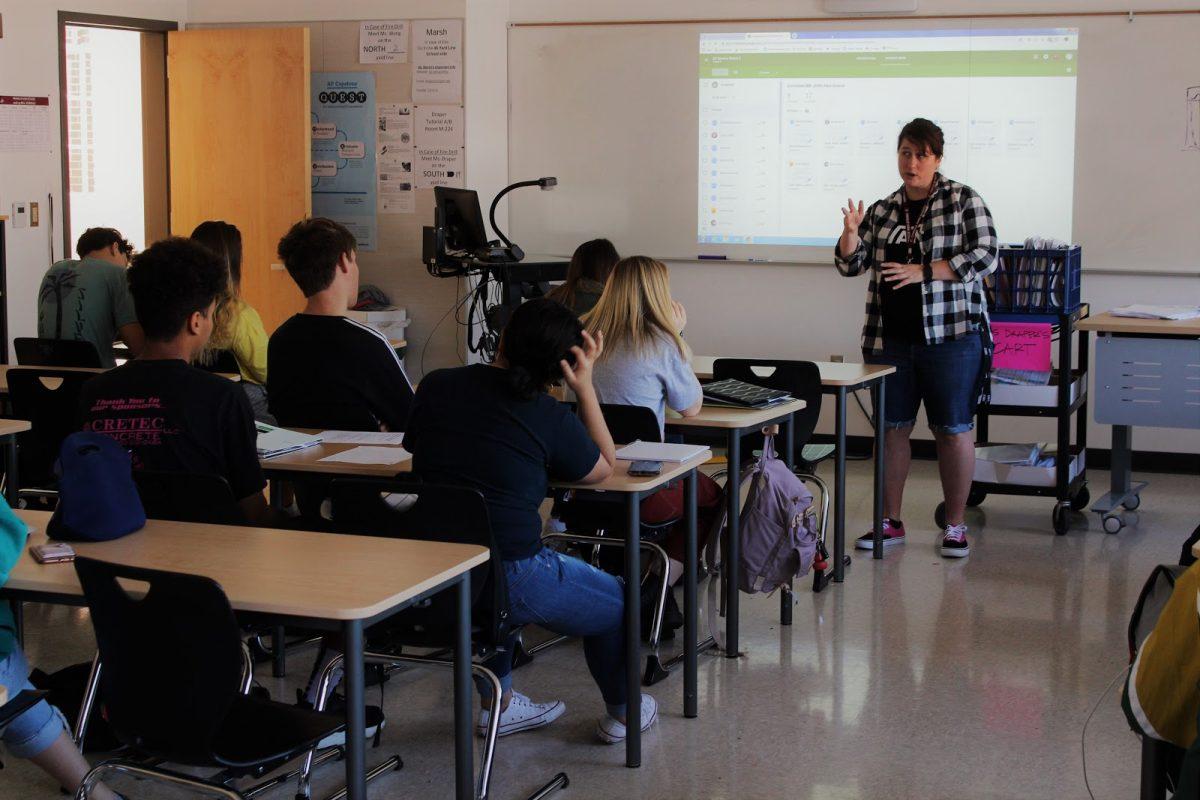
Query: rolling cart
1043	286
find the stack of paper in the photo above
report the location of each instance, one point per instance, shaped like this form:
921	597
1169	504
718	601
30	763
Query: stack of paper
1017	454
659	451
369	455
1138	311
273	441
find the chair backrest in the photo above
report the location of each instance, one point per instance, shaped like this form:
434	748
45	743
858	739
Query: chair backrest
800	379
53	411
327	416
441	513
55	353
187	497
631	423
219	361
172	659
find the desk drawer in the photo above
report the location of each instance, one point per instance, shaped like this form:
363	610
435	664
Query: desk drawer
1148	381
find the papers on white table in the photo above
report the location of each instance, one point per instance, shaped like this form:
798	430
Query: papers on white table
659	451
273	441
1138	311
362	437
369	455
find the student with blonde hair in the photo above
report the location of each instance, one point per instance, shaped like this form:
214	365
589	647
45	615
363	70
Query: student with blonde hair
647	363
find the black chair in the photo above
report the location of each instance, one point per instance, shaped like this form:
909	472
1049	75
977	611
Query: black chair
219	361
186	497
173	684
327	416
55	353
439	514
589	519
802	380
49	399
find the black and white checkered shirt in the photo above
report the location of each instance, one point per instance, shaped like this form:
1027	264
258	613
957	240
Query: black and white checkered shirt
958	228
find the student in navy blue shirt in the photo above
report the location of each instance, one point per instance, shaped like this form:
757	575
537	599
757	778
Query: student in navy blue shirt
495	429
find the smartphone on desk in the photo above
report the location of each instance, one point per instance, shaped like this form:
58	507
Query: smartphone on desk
52	553
645	469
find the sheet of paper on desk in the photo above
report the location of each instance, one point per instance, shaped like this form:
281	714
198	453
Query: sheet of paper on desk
362	437
370	455
1021	346
1157	312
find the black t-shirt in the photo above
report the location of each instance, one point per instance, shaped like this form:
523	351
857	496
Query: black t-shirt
319	364
173	417
903	309
468	429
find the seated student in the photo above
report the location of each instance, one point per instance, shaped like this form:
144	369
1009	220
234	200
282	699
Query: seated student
87	299
242	332
39	733
320	361
171	416
589	269
494	428
647	363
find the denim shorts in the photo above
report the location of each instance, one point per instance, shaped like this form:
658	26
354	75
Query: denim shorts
31	733
945	376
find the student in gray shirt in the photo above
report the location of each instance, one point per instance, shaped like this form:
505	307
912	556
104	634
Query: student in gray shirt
88	299
647	363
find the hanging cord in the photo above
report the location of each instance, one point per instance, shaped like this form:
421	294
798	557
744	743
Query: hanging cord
1083	736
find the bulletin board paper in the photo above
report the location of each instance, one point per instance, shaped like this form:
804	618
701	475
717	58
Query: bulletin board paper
24	123
345	100
1021	346
437	61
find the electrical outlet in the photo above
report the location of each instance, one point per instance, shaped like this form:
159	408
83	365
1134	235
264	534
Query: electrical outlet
837	359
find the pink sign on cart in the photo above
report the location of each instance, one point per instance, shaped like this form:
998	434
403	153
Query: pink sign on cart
1021	345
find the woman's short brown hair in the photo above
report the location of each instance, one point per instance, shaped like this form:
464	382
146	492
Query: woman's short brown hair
923	132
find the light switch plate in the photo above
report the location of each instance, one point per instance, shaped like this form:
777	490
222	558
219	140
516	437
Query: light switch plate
20	214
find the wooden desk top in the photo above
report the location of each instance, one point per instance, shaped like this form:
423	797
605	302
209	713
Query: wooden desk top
293	573
833	373
309	460
722	417
11	426
622	481
4	368
1107	323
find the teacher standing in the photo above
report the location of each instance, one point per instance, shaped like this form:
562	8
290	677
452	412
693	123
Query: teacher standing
927	248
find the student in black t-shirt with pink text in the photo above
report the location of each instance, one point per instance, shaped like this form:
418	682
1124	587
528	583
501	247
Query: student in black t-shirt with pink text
171	416
323	367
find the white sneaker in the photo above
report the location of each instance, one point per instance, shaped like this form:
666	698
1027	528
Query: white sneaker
612	731
522	714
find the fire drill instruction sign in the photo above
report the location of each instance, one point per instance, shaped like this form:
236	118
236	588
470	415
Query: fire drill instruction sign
439	166
383	42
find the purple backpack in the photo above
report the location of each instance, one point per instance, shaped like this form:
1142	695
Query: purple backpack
778	528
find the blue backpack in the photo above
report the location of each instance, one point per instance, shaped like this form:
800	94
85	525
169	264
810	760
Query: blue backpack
97	498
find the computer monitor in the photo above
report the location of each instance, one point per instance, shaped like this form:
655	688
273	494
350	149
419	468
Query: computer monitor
461	218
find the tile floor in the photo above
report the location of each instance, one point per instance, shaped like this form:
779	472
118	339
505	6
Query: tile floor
916	678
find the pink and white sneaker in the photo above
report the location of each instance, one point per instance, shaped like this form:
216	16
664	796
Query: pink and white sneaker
893	533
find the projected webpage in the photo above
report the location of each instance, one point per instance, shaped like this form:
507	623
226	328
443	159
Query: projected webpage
791	124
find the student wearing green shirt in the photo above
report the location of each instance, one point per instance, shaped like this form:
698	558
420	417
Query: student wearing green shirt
40	733
87	298
239	328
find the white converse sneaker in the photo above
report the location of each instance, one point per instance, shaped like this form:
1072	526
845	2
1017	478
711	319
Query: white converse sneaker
612	731
522	714
954	542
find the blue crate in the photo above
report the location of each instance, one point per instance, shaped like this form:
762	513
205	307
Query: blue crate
1034	281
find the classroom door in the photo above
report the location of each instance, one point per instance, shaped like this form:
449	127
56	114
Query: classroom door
240	144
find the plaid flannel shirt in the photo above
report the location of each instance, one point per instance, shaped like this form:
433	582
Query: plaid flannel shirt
958	228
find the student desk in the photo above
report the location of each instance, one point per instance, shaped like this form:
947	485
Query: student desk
9	428
735	423
4	368
1147	373
632	490
838	379
286	576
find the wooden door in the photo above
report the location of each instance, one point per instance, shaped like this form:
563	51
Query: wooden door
240	144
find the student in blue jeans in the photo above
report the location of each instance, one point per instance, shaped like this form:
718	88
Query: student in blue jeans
39	734
494	428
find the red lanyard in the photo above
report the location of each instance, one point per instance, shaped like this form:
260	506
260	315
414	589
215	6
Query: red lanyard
912	230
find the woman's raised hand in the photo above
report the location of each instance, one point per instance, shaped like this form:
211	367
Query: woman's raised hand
852	215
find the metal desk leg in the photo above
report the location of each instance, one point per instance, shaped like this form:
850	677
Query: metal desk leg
275	493
464	762
789	458
1153	783
877	390
1122	460
18	612
356	744
839	490
633	621
733	485
690	647
12	485
278	651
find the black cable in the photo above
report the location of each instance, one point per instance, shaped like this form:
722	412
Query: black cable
457	304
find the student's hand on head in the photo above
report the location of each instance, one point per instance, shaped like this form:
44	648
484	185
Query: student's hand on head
852	215
580	375
680	315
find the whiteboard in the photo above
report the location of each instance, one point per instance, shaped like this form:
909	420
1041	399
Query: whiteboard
611	111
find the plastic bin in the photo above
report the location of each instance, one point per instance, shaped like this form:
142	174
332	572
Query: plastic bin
1032	281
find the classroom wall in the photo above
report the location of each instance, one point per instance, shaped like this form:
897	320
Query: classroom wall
812	312
29	66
